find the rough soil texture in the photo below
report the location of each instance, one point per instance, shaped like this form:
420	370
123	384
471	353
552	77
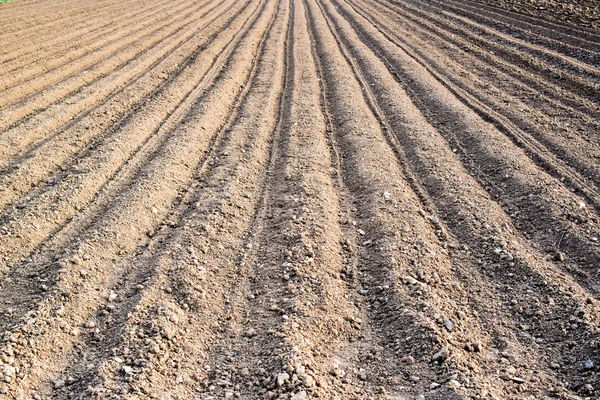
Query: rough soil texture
298	199
585	13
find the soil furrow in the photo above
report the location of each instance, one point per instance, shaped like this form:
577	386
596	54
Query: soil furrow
111	237
553	39
19	87
102	175
102	122
299	199
56	55
522	194
564	15
218	163
578	92
456	196
538	153
560	144
65	104
402	338
217	196
290	312
64	80
104	98
88	28
588	35
38	26
527	48
496	78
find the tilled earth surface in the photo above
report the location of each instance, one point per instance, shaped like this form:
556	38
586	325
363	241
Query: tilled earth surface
297	199
585	13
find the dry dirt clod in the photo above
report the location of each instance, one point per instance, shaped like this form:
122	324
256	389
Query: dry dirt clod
282	378
59	383
441	355
302	395
448	325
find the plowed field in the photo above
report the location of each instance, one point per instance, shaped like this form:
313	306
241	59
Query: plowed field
298	199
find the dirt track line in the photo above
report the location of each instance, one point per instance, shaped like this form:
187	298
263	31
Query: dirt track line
49	58
537	152
578	87
380	272
242	312
102	99
211	204
589	35
264	342
507	67
562	146
58	7
70	77
100	196
100	122
51	13
215	165
40	26
368	344
105	172
377	293
76	55
32	47
478	153
516	45
84	92
160	179
561	149
428	158
107	8
97	167
487	75
68	33
301	247
387	130
378	111
583	50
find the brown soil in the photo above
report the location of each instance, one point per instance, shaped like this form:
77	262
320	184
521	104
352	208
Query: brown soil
585	13
297	199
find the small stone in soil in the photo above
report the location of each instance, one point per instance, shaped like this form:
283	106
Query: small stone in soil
58	383
282	378
448	325
300	396
441	355
408	360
